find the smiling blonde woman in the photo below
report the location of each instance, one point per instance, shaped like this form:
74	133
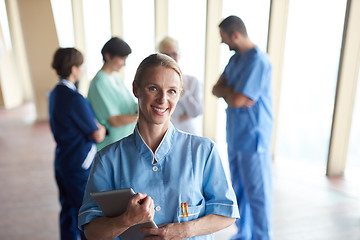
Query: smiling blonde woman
179	177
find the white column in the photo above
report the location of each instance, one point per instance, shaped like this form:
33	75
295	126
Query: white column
212	61
346	91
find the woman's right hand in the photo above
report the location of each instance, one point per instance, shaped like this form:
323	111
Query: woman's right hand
99	134
140	209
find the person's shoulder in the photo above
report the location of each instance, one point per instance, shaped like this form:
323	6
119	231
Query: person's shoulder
260	57
97	83
195	139
98	78
260	54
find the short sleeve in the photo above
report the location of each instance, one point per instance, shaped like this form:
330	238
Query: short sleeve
254	77
219	195
97	182
83	115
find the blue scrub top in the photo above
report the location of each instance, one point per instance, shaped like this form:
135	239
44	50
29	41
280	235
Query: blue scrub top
188	169
250	129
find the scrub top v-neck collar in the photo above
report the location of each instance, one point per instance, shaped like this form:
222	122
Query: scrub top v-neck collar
161	151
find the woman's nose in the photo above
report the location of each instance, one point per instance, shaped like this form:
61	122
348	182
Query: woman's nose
161	97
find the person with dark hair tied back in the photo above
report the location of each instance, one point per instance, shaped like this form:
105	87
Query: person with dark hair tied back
113	104
75	131
178	177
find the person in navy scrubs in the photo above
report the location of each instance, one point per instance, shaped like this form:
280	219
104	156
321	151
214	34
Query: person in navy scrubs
75	131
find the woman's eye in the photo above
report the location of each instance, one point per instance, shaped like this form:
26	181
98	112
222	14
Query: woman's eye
172	91
152	88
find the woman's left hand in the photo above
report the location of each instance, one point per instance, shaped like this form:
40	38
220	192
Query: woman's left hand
171	231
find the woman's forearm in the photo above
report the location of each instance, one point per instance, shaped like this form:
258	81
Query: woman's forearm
209	224
103	228
121	120
202	226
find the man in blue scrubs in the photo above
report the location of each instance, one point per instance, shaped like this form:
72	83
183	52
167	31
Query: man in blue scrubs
245	85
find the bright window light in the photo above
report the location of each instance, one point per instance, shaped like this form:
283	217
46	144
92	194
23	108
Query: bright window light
5	26
189	31
311	59
97	33
138	33
62	12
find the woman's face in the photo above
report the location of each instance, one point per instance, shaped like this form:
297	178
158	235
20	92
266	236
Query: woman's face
116	63
158	93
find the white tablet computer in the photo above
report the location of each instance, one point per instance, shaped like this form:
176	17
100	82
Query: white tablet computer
114	203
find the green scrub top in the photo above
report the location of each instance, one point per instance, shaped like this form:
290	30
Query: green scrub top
109	96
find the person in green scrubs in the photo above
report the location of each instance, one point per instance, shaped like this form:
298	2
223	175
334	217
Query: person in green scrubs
112	102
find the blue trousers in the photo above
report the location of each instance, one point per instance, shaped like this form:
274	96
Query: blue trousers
251	180
71	191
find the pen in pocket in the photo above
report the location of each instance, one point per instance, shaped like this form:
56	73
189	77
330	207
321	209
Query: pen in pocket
184	209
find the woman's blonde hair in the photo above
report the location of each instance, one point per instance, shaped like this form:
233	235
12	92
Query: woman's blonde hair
155	60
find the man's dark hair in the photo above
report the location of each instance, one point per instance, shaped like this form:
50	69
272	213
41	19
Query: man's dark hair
233	24
64	59
115	47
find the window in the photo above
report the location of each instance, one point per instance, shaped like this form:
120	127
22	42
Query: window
97	33
63	18
5	27
138	33
189	31
311	59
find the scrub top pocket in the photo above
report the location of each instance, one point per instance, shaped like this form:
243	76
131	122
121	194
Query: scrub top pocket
194	212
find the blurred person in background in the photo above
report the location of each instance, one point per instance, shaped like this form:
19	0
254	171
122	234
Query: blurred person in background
190	104
75	130
113	103
245	85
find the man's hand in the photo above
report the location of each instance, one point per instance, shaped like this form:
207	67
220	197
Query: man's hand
220	89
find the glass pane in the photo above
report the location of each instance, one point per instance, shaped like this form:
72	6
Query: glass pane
138	33
5	26
192	48
180	27
97	33
63	18
353	159
255	15
311	60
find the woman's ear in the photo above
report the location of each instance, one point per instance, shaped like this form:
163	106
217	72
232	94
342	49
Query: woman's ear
107	57
73	69
135	89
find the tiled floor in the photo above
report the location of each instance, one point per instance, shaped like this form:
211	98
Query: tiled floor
307	205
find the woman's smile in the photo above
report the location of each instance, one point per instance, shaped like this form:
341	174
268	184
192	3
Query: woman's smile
159	110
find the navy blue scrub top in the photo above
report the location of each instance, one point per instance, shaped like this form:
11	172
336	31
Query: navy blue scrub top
72	121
